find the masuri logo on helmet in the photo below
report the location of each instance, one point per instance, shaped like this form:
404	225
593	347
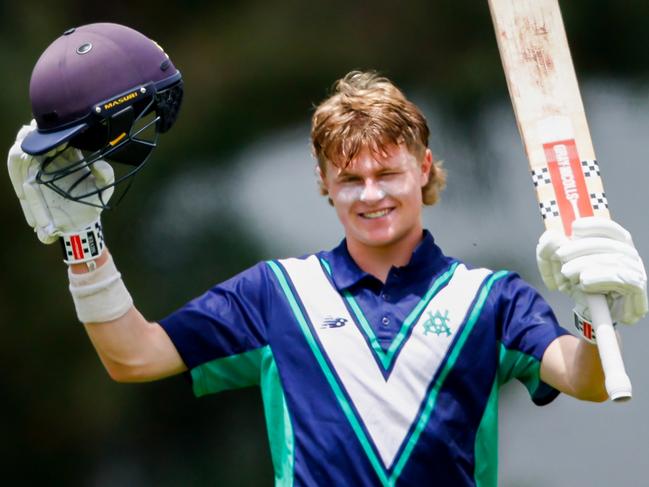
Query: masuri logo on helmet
120	100
111	100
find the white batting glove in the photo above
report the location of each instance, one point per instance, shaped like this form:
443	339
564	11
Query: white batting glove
599	258
48	213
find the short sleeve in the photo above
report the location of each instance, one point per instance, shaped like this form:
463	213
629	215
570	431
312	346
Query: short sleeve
219	333
527	327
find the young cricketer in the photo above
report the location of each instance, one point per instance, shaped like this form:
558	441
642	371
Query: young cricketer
379	361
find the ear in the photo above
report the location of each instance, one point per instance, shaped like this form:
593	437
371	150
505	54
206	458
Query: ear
426	165
322	182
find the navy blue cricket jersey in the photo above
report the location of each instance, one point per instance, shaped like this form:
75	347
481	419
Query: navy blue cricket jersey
366	383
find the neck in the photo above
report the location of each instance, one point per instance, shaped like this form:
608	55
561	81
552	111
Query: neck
378	261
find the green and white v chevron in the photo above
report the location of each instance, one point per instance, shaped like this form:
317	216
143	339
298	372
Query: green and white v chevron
388	405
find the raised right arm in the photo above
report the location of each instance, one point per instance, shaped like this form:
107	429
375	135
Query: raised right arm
131	348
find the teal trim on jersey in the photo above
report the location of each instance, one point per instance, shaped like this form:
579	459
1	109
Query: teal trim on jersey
448	366
333	383
327	266
226	373
511	364
429	402
386	357
278	421
256	367
485	471
519	365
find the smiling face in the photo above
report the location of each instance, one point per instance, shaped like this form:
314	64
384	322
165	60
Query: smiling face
378	198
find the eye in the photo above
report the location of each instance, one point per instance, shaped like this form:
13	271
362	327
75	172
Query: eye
348	178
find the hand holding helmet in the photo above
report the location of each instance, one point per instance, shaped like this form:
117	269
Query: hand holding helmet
100	94
49	213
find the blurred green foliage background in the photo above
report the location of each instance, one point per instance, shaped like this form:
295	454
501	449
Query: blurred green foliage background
250	68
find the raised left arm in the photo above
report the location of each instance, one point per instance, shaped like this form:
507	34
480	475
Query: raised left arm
599	258
572	366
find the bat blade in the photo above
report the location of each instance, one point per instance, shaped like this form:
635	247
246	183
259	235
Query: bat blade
553	127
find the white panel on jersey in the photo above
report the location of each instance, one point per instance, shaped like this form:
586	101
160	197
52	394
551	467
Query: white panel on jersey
387	408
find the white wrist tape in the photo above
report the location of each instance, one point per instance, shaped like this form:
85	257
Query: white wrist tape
100	295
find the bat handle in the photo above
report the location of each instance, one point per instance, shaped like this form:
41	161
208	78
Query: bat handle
617	381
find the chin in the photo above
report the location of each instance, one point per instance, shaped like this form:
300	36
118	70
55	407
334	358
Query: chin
379	239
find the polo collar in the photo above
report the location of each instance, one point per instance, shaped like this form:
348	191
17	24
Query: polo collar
427	259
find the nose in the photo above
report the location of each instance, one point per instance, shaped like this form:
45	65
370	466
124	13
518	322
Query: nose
371	192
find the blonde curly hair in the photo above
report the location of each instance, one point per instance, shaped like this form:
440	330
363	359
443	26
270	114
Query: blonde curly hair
366	110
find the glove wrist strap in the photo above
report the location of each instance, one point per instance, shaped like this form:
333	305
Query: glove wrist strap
585	327
83	246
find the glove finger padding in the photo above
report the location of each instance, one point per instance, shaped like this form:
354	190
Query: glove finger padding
104	176
97	175
549	265
49	213
35	199
588	246
18	165
635	308
17	169
41	213
594	226
590	270
599	258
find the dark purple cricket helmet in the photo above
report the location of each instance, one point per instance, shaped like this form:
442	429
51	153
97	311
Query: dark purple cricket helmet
107	90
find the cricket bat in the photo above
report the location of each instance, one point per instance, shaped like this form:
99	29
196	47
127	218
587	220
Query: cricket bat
552	123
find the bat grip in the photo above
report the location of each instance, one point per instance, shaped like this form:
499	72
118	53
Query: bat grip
617	381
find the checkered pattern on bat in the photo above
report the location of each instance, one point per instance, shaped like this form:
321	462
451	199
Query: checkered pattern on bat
540	176
590	168
598	201
549	209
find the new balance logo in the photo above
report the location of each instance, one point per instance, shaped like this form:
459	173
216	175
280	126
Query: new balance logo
330	322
